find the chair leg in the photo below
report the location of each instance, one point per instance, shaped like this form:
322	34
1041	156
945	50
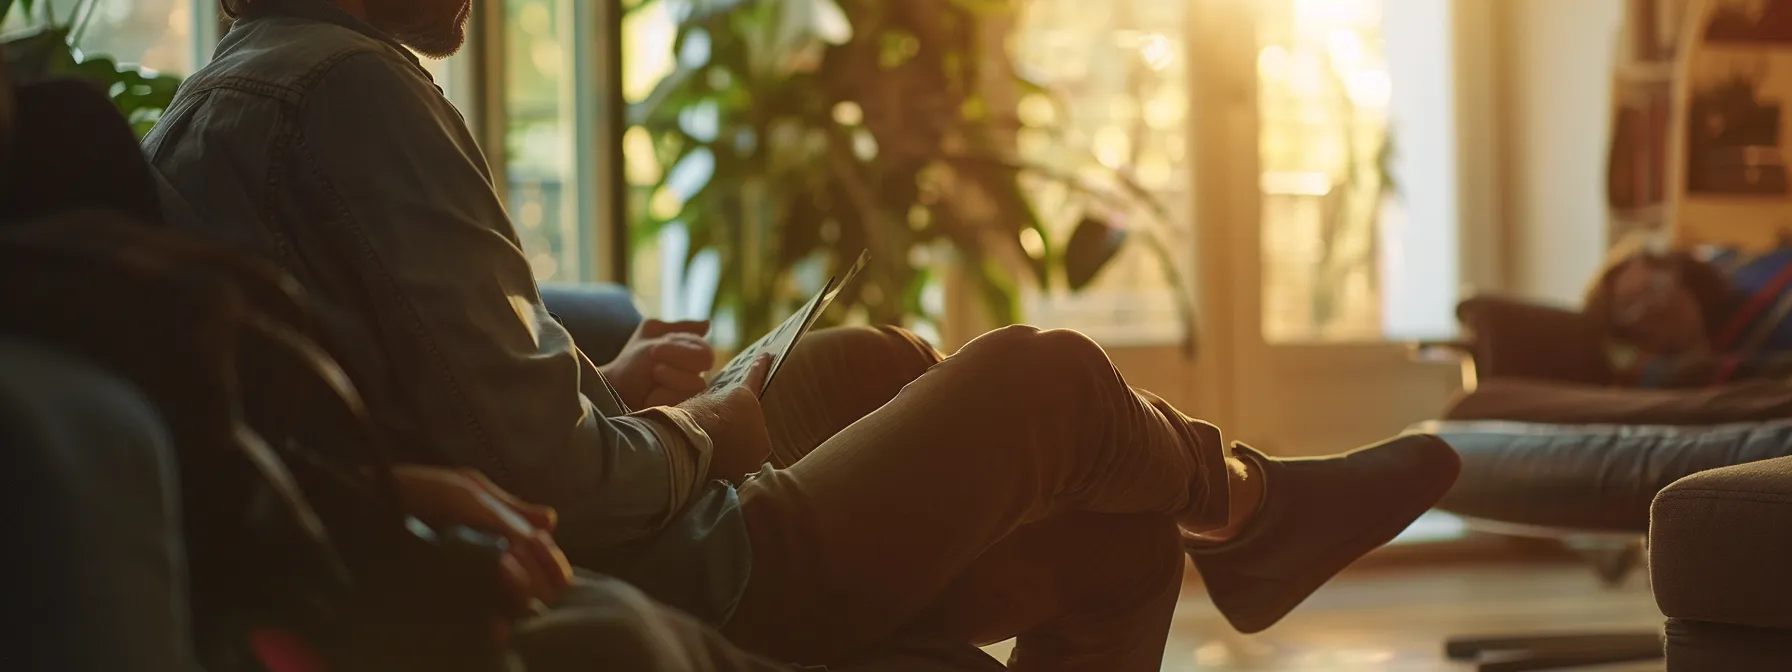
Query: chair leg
1615	564
1547	652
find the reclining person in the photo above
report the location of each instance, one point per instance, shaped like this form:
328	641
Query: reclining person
1016	488
1690	319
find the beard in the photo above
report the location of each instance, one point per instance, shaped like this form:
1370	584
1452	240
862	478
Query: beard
433	28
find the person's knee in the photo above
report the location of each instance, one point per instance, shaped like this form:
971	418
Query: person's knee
882	345
901	342
1036	347
1067	345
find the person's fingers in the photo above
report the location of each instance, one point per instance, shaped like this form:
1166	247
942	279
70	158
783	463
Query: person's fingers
559	569
542	559
542	517
694	327
535	515
755	380
698	339
688	353
519	583
652	328
536	557
678	379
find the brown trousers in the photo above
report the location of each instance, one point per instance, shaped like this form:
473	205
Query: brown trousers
1018	488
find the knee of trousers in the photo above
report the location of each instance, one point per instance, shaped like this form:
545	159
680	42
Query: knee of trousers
1057	349
1041	366
887	344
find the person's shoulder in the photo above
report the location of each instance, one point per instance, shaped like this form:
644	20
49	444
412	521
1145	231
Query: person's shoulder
289	57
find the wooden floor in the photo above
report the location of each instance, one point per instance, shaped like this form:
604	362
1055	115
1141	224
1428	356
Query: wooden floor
1397	618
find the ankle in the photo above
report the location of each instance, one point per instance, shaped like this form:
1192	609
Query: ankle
1244	494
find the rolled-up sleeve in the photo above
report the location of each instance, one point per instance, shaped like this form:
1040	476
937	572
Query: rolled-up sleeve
496	381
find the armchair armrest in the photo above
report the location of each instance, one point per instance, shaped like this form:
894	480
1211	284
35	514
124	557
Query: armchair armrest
1717	543
1511	338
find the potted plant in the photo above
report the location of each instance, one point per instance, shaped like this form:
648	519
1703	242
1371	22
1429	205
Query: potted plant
794	133
52	48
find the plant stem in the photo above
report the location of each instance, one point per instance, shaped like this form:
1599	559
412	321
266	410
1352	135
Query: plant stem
92	7
1185	304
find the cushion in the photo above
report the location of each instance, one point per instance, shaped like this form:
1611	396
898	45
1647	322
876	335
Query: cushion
1518	338
1531	400
1589	477
1721	545
1720	647
600	318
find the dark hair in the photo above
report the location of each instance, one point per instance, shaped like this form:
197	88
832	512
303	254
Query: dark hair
1717	298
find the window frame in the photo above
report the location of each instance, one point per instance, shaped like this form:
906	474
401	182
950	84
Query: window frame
597	115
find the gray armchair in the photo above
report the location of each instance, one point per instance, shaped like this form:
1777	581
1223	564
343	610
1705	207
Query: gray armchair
1720	542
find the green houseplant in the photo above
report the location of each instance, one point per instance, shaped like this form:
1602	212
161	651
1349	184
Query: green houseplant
794	133
52	48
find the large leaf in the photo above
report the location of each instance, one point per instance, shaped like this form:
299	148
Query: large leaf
662	104
699	11
40	53
996	288
1093	244
105	73
24	7
986	8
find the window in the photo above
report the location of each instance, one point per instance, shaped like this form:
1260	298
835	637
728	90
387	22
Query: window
1357	149
450	74
1344	257
1118	73
657	269
1117	69
539	137
156	34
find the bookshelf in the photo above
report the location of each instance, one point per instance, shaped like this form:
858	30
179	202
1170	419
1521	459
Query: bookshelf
1645	86
1701	153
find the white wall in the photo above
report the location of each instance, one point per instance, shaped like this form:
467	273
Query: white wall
1554	61
1420	278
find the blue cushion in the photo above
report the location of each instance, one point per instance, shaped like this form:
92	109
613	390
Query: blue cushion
599	317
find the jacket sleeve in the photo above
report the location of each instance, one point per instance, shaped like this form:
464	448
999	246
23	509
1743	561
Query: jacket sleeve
494	378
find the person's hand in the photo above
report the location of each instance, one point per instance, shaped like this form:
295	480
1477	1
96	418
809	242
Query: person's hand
534	569
735	423
662	364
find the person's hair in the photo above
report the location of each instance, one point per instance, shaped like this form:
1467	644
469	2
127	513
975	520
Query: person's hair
1710	288
231	9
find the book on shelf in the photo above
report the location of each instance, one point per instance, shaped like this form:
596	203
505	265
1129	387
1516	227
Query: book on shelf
1637	176
1655	28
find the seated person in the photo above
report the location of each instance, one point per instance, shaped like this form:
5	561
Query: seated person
1691	319
1016	488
